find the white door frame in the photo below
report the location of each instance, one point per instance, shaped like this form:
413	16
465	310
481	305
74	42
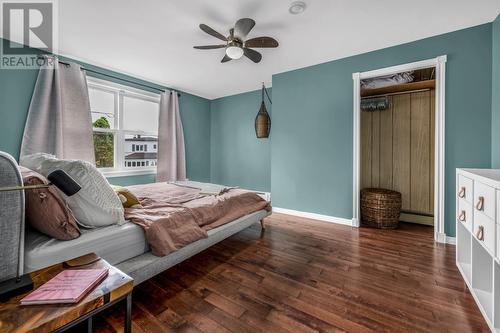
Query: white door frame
439	159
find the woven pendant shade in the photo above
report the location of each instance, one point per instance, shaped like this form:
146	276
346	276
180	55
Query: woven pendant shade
262	122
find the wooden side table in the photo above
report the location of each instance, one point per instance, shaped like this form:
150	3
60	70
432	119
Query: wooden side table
115	288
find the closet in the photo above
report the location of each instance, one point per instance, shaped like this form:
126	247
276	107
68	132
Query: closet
397	141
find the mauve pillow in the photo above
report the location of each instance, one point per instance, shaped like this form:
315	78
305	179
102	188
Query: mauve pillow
46	211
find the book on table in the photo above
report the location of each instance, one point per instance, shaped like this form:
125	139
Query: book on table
69	286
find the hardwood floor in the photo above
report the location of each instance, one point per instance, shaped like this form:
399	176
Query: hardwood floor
307	276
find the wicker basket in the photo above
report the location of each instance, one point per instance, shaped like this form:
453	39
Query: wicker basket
380	208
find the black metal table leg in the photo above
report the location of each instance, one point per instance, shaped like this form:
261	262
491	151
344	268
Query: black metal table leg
128	314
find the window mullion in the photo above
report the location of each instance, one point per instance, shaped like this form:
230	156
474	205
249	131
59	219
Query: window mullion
120	138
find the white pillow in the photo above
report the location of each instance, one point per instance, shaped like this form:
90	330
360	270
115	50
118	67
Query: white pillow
96	204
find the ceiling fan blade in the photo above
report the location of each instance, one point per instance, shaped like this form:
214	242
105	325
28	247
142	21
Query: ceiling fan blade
226	58
209	47
261	42
212	32
243	27
252	55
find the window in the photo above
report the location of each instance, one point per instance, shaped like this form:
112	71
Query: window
125	122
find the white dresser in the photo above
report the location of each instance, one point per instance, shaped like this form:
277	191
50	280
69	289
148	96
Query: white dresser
478	238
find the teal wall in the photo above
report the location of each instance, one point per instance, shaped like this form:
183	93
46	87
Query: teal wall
311	135
311	164
16	88
307	162
495	94
237	156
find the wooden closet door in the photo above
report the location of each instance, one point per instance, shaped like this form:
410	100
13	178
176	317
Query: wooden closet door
420	150
386	147
433	149
366	150
401	105
397	149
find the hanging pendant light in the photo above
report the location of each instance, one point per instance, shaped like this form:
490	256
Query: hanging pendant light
262	120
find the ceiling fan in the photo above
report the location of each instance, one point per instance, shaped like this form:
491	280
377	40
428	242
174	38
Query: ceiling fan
235	44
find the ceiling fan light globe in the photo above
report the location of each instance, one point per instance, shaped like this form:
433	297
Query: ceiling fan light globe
234	52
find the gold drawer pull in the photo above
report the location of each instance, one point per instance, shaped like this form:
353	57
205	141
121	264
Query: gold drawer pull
480	233
461	194
480	204
461	217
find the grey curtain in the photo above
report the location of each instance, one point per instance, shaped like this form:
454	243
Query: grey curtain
59	120
171	152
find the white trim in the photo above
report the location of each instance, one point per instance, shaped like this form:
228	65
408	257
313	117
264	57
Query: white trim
356	150
439	151
439	63
114	87
403	68
440	237
125	173
120	91
314	216
451	240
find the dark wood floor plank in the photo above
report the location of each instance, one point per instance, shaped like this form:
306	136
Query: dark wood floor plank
302	275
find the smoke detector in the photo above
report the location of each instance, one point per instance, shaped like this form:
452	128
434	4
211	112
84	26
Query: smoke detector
297	7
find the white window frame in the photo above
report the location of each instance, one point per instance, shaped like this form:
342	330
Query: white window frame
121	91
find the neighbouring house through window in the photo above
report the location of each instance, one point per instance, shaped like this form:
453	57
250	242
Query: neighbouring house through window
125	122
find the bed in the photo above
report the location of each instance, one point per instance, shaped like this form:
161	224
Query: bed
126	246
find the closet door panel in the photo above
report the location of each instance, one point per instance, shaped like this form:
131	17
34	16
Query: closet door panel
366	150
401	147
385	178
432	149
420	152
376	148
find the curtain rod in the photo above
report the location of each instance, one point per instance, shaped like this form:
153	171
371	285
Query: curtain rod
397	93
114	77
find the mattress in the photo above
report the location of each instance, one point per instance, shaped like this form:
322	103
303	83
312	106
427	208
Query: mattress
148	265
115	244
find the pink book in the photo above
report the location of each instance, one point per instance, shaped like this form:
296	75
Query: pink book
69	286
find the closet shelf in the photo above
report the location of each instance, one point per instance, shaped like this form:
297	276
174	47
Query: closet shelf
404	87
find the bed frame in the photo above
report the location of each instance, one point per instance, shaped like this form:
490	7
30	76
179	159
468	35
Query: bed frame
140	268
147	265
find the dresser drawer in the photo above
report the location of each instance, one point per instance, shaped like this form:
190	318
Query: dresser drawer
464	188
464	214
485	231
484	199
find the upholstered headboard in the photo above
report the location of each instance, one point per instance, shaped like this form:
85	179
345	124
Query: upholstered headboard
11	219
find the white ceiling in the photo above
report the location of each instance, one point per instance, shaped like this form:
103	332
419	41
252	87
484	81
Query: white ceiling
153	39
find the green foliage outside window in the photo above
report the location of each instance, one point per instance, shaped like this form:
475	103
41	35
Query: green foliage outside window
103	145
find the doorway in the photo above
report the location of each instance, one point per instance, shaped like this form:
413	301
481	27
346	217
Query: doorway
399	138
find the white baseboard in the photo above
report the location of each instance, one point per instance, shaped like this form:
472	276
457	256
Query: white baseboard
314	216
451	240
442	238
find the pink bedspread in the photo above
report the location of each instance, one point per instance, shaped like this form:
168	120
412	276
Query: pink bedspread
174	216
